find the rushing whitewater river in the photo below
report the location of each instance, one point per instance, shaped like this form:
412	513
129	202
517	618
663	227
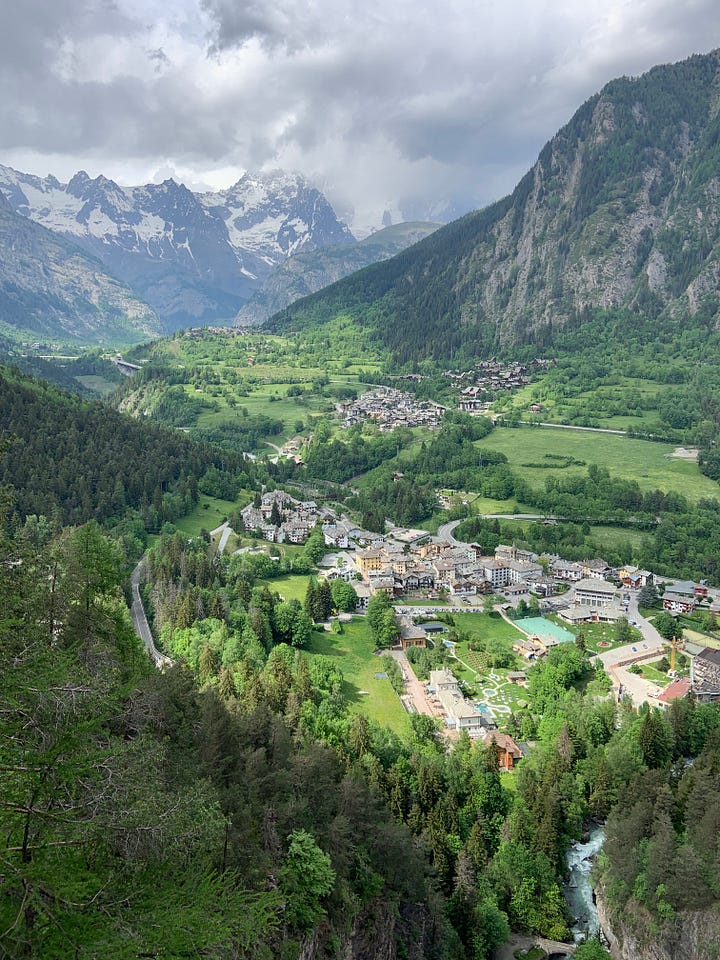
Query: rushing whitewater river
578	891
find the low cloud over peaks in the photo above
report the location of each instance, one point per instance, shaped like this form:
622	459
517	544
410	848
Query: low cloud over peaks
403	105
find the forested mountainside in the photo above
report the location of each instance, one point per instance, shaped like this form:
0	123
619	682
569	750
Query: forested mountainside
70	460
306	273
621	210
194	257
50	288
237	807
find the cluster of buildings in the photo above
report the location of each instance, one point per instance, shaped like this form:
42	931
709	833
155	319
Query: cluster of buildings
479	386
460	714
430	566
390	408
280	518
683	596
704	679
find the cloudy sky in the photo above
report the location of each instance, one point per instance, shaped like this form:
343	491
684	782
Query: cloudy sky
413	107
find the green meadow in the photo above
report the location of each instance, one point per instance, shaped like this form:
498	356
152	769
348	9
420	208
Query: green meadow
648	462
352	650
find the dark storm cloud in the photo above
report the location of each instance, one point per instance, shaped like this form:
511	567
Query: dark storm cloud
384	104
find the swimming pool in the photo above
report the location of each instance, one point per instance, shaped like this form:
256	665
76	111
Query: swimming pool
540	627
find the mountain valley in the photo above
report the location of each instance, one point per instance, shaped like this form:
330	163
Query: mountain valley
194	258
426	544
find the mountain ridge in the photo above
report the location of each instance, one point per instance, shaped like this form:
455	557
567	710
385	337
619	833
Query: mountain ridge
51	287
195	258
606	218
310	271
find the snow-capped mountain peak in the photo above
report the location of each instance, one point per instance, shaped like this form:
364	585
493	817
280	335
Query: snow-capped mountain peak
194	257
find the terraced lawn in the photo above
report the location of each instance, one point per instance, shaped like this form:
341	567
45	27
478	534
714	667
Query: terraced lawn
490	687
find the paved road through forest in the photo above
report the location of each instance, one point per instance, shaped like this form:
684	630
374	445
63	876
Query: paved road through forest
142	627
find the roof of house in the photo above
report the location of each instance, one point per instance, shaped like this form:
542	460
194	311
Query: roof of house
441	676
408	631
675	690
676	596
681	586
595	586
576	614
504	741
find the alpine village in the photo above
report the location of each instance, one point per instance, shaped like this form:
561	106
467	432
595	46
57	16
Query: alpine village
374	617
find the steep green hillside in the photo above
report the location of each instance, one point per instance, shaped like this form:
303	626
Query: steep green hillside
71	460
621	210
309	272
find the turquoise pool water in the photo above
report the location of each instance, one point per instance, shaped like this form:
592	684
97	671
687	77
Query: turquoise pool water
545	628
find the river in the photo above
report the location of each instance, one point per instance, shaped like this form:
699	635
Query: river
578	890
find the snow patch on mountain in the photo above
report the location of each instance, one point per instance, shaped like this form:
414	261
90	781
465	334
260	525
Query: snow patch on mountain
195	257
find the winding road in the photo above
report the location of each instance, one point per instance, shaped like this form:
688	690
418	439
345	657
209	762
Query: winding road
142	627
446	531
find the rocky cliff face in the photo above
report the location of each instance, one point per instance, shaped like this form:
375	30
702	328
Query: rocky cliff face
308	272
194	257
51	288
622	209
634	935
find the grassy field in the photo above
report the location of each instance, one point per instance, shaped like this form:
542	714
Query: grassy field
365	693
97	384
610	538
651	464
595	633
487	626
291	587
607	404
270	399
649	671
209	513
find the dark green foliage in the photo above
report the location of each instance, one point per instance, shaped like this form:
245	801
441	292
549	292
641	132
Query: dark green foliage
381	618
176	408
666	625
71	460
344	596
338	461
402	500
592	950
244	434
